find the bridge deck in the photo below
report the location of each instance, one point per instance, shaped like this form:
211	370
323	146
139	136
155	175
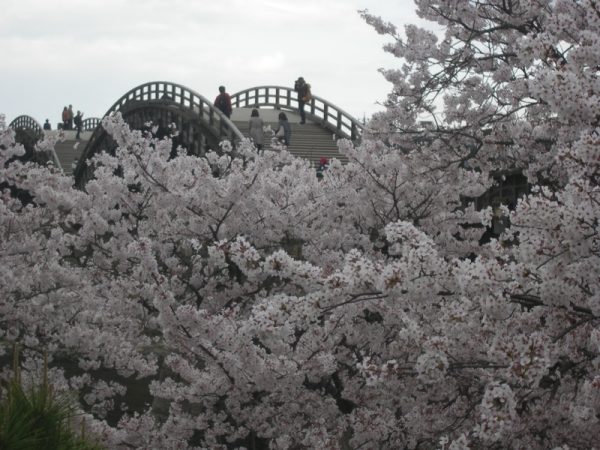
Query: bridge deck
309	141
70	149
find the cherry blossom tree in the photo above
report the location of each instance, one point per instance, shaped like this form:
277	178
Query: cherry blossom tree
236	301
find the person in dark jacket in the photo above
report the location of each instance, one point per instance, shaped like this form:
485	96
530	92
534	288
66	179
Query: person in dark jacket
284	131
78	120
47	125
223	102
304	96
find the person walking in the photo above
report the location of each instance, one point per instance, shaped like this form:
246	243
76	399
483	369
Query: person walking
284	130
47	125
223	102
78	123
304	96
256	131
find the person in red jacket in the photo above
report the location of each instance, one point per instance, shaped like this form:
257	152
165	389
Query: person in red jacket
65	118
223	101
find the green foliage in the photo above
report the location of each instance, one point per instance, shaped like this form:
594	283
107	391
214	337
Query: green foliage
37	418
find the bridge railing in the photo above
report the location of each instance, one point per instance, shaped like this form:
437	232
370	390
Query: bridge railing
91	123
29	123
185	98
317	109
25	122
166	94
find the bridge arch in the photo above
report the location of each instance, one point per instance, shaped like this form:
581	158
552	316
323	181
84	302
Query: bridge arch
28	132
28	123
199	123
318	110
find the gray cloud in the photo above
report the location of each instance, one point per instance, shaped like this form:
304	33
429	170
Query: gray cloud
89	53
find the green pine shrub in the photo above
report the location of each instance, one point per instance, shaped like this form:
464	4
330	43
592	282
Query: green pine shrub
38	419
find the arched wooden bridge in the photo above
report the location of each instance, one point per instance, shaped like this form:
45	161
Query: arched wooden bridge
201	126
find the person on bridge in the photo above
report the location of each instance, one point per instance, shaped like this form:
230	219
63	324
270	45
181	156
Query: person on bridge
223	101
70	112
256	132
304	96
47	125
284	130
65	118
78	123
323	166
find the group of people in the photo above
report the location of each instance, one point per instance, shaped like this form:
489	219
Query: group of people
69	120
257	134
256	125
283	132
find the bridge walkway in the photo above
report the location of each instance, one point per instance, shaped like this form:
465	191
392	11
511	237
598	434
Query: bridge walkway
309	141
69	151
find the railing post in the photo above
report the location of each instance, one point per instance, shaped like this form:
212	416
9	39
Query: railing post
339	121
211	115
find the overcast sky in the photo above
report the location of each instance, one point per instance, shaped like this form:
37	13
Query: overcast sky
90	52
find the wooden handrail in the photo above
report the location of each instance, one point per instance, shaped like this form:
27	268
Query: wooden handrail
187	99
91	123
317	109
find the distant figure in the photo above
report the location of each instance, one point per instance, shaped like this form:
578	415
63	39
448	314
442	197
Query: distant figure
70	112
223	102
78	123
304	96
47	125
284	131
65	118
255	125
323	166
